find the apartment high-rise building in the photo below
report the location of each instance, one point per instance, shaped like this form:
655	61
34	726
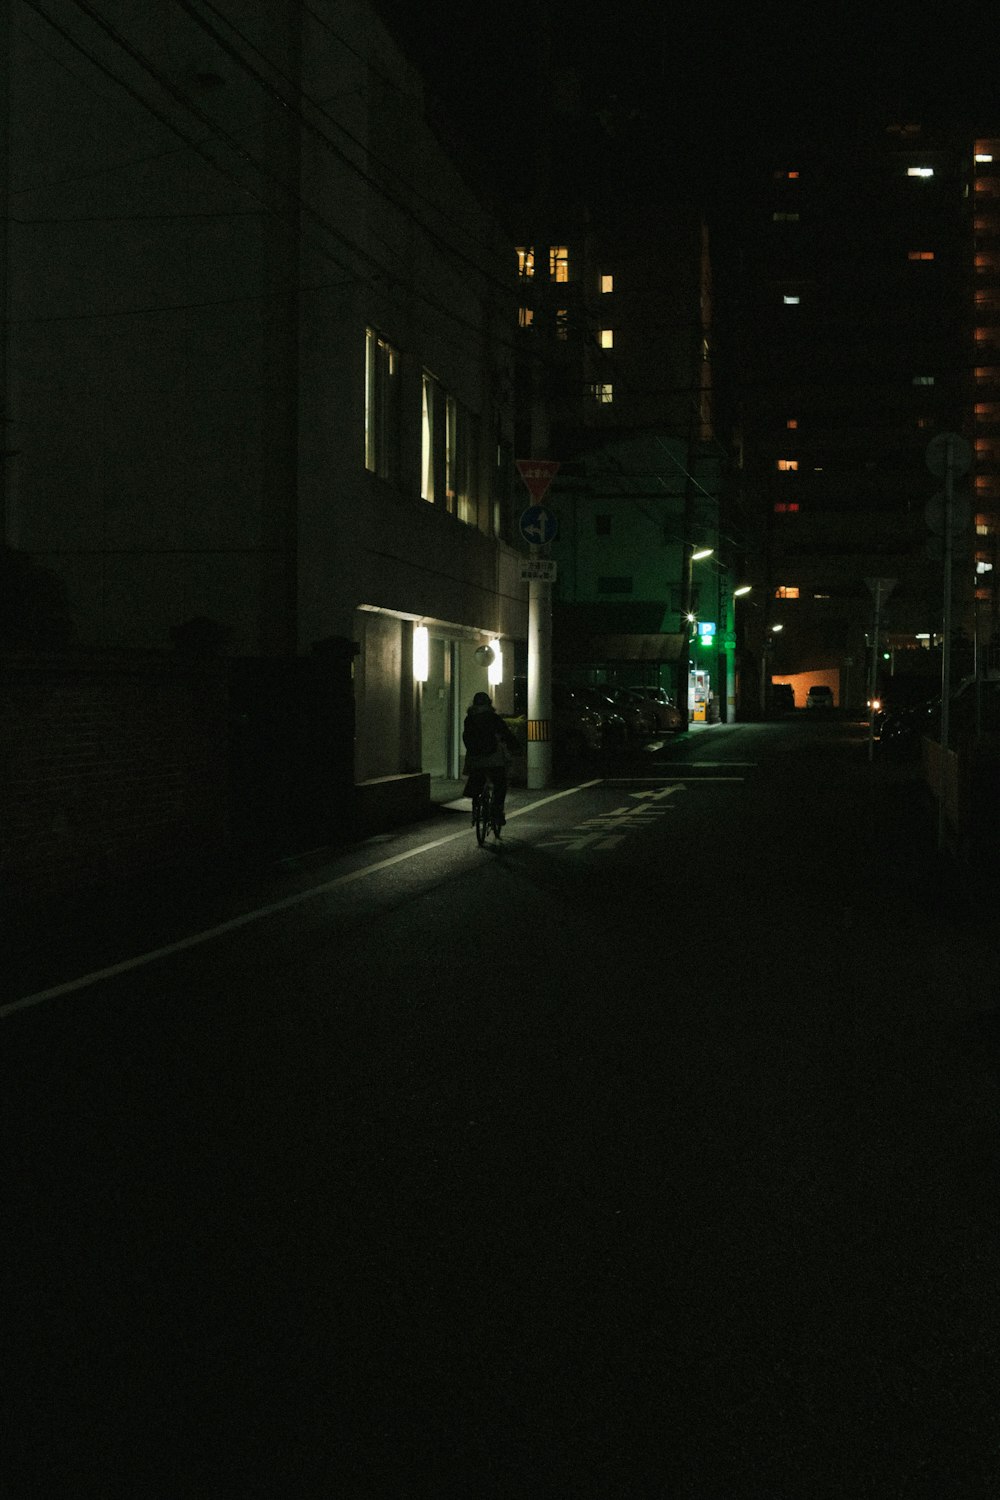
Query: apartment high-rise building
985	427
862	311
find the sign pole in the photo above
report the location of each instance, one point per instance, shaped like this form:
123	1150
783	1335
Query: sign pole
949	499
873	669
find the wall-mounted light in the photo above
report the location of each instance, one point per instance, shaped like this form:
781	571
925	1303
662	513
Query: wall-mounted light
494	672
776	628
744	588
701	554
421	653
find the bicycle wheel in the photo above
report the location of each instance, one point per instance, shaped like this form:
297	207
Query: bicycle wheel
484	813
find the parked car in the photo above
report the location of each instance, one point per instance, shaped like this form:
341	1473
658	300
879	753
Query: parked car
903	728
900	729
638	712
782	697
819	696
900	695
577	730
668	717
614	730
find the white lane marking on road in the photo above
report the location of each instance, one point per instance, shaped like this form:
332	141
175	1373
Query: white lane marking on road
665	791
259	913
603	830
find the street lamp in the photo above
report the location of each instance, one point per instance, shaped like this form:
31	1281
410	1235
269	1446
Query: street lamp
694	554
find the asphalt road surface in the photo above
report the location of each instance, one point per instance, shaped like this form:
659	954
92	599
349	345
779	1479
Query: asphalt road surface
652	1154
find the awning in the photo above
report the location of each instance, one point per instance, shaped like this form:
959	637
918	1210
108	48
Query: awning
592	634
597	649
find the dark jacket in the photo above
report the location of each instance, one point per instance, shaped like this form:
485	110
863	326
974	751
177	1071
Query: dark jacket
484	735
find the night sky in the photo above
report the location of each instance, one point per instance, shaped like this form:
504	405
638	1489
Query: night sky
706	81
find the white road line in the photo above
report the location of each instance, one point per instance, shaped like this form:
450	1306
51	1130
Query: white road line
659	780
259	913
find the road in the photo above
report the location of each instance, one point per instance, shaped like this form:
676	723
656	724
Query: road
653	1154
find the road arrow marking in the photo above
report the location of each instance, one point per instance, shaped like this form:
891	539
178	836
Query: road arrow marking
666	791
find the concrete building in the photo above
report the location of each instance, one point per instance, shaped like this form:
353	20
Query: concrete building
257	365
616	338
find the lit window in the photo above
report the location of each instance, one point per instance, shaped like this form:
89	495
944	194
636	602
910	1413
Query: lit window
821	596
450	450
607	283
786	507
459	462
525	261
559	262
427	443
607	338
525	317
381	405
785	176
788	465
920	171
787	591
920	254
983	156
792	423
602	394
790	301
923	380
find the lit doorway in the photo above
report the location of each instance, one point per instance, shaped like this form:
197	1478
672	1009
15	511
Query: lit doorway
437	710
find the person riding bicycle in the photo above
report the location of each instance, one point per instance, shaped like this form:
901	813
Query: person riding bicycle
490	745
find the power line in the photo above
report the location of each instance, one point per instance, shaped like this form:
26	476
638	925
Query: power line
377	271
135	312
220	41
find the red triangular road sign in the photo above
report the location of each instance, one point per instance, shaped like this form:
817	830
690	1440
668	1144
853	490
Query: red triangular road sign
538	474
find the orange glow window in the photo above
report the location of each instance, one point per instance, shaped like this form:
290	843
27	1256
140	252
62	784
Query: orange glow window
788	465
792	423
787	591
920	255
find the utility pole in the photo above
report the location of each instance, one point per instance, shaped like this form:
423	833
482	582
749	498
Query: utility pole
540	588
881	588
947	454
5	412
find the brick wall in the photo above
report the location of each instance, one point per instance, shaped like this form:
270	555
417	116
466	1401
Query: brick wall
111	765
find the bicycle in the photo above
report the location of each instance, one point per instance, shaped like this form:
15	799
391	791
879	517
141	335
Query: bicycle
484	811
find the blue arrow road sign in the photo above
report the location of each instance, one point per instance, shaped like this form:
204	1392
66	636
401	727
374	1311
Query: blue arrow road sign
538	525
